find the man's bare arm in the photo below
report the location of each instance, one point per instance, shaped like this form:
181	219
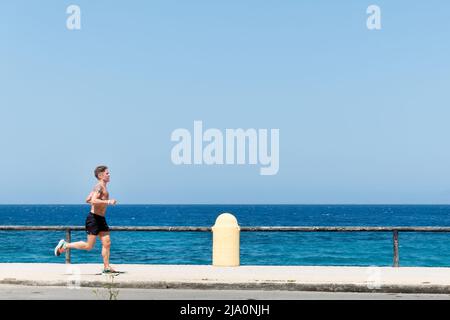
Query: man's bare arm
89	197
95	198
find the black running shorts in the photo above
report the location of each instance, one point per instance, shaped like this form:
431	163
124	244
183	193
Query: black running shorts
95	224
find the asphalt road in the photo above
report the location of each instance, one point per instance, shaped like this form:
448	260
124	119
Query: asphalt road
63	293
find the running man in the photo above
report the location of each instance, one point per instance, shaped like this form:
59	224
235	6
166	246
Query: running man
95	222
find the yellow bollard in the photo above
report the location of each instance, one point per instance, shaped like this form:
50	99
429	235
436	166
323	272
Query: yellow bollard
226	241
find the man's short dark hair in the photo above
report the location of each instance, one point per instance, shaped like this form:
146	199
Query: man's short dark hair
99	170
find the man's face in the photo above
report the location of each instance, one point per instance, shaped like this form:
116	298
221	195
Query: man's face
105	176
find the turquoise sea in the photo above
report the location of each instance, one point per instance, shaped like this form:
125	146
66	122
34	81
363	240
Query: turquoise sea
257	248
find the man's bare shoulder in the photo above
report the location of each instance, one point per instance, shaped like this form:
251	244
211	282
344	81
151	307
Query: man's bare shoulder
98	188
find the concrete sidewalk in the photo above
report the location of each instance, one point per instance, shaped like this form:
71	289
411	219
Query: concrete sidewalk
298	278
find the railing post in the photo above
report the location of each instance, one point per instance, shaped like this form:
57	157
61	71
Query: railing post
226	241
68	239
396	258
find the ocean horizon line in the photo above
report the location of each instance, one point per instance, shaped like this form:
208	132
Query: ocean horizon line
233	204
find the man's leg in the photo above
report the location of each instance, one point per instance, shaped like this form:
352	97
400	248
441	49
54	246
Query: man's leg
83	245
106	246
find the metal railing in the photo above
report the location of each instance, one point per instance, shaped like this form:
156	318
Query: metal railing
395	231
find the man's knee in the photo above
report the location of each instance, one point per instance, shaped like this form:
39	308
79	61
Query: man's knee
107	244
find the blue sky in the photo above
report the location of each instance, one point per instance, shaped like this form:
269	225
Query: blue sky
363	115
